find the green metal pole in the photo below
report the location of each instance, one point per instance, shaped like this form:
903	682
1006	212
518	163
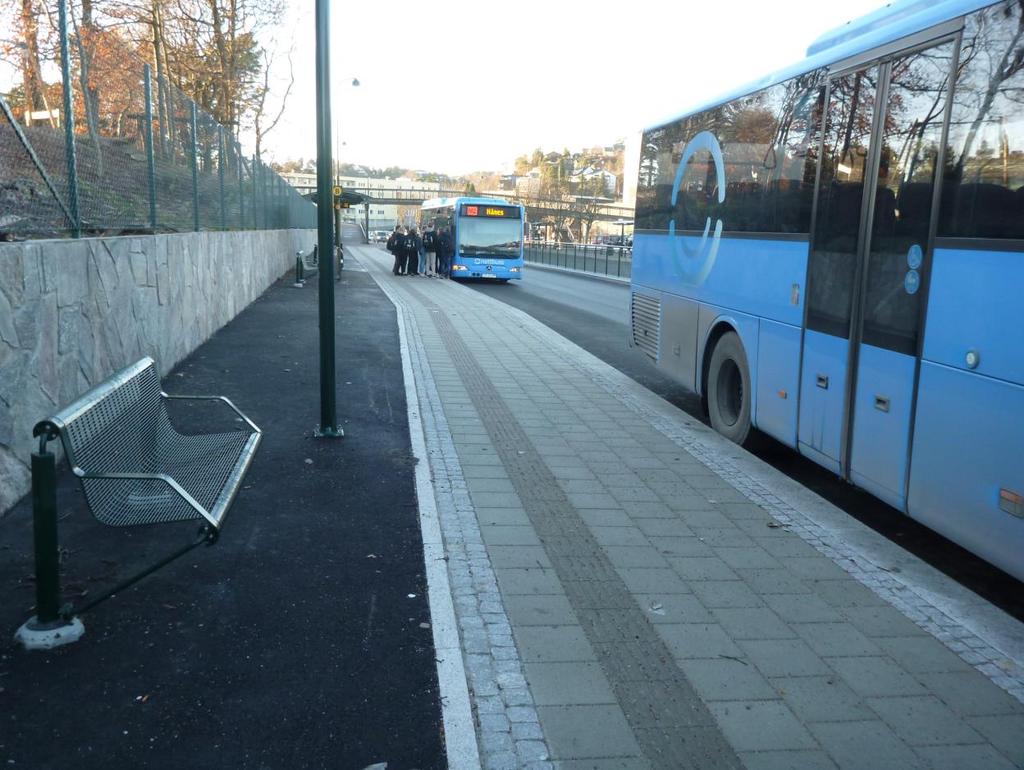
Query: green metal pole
69	121
161	107
261	176
44	532
252	173
195	170
324	224
150	160
220	174
241	184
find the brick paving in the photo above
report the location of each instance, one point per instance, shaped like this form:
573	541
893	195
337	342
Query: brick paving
632	592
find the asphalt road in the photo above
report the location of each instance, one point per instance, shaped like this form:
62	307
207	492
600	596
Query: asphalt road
593	314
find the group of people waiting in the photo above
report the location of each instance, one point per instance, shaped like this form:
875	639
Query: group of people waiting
429	255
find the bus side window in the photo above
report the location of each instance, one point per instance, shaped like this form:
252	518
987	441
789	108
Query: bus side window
983	180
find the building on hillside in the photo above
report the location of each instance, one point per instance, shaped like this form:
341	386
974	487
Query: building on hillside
607	181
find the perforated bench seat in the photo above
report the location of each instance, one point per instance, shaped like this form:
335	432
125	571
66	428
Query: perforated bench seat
135	467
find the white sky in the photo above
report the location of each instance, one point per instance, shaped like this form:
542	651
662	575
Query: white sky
459	86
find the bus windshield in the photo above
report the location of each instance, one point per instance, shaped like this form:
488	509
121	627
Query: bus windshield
491	237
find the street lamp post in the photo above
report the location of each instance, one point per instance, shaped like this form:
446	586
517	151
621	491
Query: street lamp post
328	427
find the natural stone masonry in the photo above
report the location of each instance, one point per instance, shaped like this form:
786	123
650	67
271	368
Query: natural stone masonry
72	312
800	663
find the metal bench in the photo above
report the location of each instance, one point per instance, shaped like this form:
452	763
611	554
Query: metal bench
306	263
135	468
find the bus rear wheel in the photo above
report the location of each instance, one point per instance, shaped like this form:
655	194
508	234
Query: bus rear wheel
729	390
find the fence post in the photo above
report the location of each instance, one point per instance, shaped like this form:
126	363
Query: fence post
195	170
276	180
252	176
148	135
220	174
161	110
69	121
241	184
262	192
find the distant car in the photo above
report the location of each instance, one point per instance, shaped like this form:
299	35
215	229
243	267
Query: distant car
380	236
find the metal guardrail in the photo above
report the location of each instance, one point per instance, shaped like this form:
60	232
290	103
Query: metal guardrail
586	258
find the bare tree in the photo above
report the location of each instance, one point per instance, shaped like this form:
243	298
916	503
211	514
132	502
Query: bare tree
261	101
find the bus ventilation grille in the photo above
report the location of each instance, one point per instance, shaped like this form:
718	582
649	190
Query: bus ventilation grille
646	312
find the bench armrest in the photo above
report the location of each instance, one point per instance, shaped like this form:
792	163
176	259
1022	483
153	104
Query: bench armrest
238	411
174	485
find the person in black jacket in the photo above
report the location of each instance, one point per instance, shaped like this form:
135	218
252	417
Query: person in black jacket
396	244
429	246
445	252
413	247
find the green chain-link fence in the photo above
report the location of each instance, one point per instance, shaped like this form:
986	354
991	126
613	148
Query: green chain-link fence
119	150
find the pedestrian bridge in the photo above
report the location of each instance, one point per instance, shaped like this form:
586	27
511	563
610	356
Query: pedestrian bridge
537	208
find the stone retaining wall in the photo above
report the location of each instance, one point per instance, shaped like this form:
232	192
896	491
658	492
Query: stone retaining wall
72	312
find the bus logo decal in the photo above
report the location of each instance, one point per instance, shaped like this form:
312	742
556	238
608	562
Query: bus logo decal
695	265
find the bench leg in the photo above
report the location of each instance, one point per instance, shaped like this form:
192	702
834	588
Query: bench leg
47	629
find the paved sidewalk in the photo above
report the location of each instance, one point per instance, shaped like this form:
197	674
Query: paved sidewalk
633	591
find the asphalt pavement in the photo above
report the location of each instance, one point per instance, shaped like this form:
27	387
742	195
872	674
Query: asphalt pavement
302	639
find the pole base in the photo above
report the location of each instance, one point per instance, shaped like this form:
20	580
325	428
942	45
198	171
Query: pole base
328	432
35	635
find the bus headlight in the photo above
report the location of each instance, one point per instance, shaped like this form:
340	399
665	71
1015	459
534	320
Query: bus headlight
459	268
513	269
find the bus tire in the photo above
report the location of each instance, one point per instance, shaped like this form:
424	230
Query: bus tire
729	390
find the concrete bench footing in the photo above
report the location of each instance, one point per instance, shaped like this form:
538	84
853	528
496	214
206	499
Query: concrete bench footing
36	635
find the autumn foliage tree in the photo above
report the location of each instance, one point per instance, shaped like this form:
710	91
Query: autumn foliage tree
212	51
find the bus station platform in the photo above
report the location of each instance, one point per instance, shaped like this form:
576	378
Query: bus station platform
630	590
516	557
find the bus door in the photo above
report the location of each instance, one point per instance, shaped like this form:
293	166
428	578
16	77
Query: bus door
868	266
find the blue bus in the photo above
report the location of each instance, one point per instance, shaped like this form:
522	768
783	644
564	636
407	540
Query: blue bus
487	233
835	256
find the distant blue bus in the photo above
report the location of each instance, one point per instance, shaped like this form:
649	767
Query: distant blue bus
835	256
487	234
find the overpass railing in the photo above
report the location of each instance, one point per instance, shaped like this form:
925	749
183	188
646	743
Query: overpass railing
614	261
119	149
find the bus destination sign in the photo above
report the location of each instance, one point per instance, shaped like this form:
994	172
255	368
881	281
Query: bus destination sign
502	212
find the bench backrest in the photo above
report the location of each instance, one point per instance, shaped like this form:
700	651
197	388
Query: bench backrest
110	427
115	428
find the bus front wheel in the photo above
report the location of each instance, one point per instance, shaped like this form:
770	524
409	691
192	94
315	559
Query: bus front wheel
729	391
